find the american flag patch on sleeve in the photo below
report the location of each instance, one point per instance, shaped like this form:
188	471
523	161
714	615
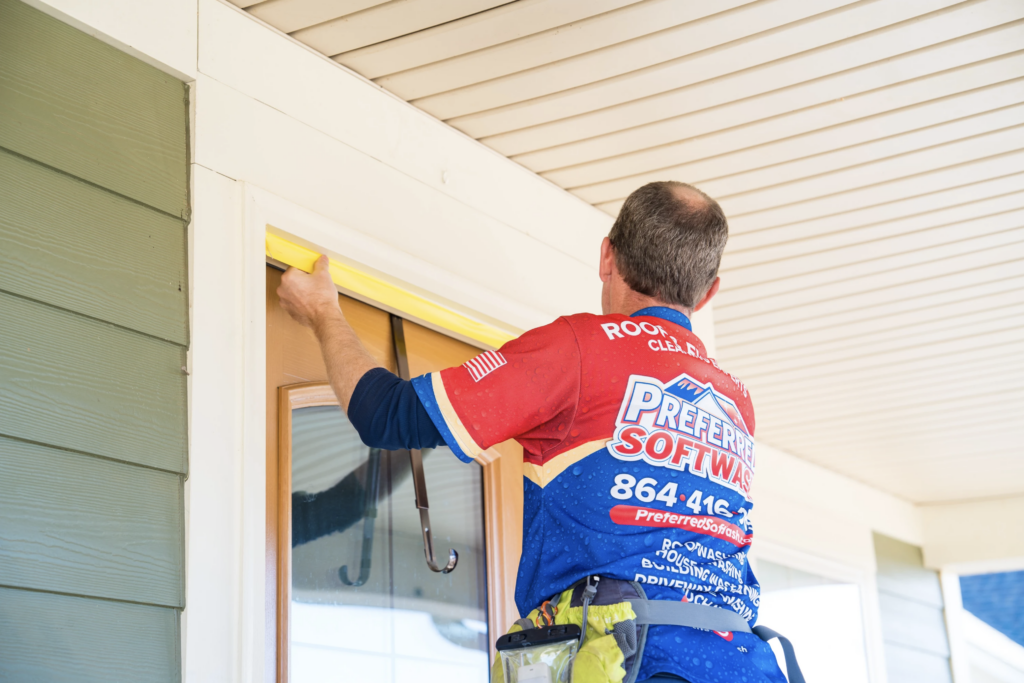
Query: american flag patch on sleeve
484	364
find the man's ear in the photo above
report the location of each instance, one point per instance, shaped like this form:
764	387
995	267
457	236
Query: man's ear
607	264
710	295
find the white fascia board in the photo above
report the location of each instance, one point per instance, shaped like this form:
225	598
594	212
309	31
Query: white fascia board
804	506
974	537
379	259
162	33
781	521
244	139
243	53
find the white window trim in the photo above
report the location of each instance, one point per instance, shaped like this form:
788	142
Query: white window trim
254	444
262	211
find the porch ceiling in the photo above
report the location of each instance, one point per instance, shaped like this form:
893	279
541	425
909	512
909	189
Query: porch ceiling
869	155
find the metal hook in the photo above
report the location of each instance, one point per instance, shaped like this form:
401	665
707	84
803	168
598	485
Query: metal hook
419	483
369	520
419	480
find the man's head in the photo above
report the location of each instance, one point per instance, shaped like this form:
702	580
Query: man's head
665	247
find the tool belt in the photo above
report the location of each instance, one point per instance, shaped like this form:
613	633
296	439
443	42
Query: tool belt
617	619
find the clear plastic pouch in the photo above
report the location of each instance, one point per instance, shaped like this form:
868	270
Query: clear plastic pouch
539	655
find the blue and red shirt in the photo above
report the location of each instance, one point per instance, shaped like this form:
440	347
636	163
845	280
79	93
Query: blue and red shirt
638	456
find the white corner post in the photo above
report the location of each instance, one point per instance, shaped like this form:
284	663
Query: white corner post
254	607
959	655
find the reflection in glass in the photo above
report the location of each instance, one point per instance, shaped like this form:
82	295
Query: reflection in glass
820	616
397	621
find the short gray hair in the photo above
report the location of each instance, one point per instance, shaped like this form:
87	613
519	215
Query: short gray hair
668	242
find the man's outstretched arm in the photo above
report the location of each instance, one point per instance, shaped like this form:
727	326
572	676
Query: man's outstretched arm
383	408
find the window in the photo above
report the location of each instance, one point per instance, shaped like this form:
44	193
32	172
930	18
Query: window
821	616
353	593
362	598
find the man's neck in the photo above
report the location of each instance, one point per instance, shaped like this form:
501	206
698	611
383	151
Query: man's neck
638	302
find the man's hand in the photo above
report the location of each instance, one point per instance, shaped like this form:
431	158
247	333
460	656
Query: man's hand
310	298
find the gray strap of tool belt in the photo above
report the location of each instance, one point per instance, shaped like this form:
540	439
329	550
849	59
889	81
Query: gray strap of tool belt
671	613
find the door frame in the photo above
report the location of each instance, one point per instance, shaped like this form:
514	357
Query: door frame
289	398
262	213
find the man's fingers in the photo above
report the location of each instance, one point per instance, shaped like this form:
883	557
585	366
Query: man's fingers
321	265
306	295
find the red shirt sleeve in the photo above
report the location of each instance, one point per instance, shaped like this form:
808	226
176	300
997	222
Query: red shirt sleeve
527	390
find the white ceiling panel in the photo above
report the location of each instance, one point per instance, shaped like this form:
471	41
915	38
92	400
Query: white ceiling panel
822	371
868	153
861	158
476	32
923	377
890	454
873	276
945	155
291	15
867	305
872	342
848	336
869	400
853	122
968	475
819	363
822	424
772	89
881	264
897	420
848	200
660	92
385	21
891	315
989	199
913	428
599	47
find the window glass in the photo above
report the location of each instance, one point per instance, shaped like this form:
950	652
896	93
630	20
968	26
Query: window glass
395	620
820	616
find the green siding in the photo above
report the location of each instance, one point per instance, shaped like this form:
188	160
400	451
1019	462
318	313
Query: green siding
81	384
48	638
79	247
75	103
99	529
93	337
913	621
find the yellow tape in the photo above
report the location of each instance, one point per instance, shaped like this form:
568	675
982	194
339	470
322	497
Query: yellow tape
387	294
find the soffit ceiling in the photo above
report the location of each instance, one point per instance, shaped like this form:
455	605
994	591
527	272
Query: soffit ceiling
869	155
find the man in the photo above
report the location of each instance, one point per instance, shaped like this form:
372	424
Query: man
638	451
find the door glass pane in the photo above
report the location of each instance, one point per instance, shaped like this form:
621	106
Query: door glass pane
397	621
820	616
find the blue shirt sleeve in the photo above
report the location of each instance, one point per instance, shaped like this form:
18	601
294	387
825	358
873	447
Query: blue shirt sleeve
388	414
